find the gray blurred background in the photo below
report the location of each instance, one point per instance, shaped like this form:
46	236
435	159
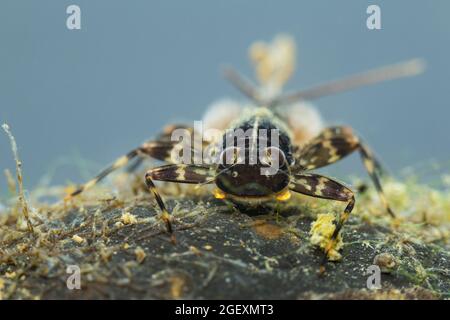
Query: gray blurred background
76	100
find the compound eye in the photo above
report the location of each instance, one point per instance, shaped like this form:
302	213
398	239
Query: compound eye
231	156
273	156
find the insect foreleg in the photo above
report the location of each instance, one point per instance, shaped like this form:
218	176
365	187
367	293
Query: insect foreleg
160	149
336	143
180	173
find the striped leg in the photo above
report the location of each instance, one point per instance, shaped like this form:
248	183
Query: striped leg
160	149
318	186
157	150
336	143
178	173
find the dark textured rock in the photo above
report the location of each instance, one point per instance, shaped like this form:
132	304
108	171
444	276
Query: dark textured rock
219	254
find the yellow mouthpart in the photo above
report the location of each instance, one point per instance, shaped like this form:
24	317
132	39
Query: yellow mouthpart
219	194
284	195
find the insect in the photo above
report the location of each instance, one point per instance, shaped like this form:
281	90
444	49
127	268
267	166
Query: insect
299	149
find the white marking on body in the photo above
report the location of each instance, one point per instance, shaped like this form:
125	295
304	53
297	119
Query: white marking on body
321	186
333	151
305	183
181	173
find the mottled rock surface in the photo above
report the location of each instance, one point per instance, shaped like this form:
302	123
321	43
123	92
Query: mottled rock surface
123	252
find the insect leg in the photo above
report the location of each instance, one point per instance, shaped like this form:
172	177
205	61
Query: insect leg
336	143
179	173
164	136
157	150
183	173
160	149
135	165
318	186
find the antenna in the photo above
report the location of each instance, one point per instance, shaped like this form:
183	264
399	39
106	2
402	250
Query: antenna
408	68
404	69
243	84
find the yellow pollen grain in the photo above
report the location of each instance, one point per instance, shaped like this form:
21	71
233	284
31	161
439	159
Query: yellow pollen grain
77	239
177	286
194	250
128	218
140	254
320	235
